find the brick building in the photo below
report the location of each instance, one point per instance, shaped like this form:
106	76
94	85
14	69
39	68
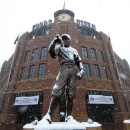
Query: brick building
32	72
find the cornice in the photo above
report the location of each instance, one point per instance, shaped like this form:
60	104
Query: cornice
64	11
54	76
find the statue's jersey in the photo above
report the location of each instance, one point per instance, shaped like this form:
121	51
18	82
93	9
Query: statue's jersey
67	54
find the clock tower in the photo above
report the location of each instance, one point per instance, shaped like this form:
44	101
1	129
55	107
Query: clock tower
63	16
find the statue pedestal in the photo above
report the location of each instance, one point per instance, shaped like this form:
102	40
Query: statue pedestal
55	126
93	126
126	124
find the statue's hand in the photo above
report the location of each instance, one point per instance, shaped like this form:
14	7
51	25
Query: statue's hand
57	39
80	74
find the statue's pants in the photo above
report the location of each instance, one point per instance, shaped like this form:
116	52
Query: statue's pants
66	77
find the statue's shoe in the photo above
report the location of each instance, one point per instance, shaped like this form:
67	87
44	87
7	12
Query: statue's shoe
70	119
34	122
45	120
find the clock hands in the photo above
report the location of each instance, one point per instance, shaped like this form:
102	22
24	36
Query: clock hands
63	17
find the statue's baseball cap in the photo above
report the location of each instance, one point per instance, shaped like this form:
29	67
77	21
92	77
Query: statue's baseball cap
66	35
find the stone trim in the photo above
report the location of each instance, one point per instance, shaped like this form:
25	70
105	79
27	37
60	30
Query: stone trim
64	11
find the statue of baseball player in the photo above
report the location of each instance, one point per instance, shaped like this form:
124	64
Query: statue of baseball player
67	76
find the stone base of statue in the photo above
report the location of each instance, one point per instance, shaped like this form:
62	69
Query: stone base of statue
92	126
55	126
71	124
126	124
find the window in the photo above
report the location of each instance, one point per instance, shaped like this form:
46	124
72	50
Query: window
84	53
101	56
96	71
93	53
31	72
26	57
23	73
41	70
34	55
105	72
43	53
86	70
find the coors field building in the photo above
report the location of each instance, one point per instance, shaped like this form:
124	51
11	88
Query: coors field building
27	78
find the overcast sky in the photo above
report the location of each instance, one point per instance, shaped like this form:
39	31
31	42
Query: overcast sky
109	16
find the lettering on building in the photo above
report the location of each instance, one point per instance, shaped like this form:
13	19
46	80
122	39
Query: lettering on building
41	29
87	29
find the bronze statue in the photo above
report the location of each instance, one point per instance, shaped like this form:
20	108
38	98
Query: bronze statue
67	76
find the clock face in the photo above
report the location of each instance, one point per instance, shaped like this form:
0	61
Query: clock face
64	17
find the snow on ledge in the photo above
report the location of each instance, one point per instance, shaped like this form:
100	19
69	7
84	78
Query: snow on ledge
62	125
126	121
94	124
55	125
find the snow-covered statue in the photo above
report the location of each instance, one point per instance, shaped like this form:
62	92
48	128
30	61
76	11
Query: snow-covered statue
67	76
